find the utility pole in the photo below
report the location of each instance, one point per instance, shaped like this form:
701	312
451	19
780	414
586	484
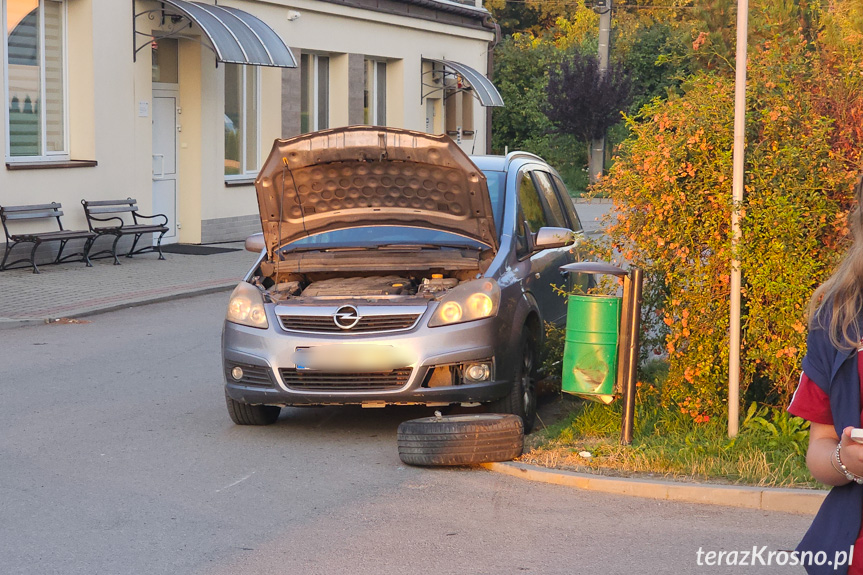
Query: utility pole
737	199
597	147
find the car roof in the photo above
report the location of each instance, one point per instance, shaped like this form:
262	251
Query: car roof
502	163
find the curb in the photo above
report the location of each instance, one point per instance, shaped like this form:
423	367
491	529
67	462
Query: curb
801	501
11	323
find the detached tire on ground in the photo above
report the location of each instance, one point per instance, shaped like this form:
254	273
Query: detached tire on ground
461	439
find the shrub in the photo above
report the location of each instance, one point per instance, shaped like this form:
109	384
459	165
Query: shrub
671	185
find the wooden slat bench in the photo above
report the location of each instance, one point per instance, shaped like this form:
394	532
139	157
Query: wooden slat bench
36	212
122	228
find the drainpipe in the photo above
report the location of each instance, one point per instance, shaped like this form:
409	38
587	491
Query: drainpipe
487	23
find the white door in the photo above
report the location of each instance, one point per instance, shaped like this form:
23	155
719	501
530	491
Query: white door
165	147
431	123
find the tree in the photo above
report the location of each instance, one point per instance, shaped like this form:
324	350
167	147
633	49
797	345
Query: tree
521	69
584	102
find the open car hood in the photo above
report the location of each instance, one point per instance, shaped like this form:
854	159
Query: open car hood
371	176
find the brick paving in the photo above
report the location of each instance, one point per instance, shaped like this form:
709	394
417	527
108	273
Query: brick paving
73	290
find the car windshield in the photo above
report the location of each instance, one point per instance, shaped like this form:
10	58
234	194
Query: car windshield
373	236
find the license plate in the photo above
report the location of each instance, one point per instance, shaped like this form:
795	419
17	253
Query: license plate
350	358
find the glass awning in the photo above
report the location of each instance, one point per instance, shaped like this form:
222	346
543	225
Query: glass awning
235	36
484	90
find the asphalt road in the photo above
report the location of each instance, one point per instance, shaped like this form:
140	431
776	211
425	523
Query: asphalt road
117	457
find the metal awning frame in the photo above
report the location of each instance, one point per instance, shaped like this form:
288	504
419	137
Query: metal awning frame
178	22
440	86
179	17
451	69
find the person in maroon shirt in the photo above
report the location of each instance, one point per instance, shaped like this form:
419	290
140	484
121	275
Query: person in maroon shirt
812	404
835	332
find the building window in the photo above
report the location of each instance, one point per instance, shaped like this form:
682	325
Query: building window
242	121
35	65
166	61
315	93
375	93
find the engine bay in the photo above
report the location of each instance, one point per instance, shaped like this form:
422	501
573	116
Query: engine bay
343	286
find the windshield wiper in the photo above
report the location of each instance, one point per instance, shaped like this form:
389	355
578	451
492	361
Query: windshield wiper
393	247
427	246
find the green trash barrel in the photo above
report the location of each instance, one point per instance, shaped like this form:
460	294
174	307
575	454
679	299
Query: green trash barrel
590	351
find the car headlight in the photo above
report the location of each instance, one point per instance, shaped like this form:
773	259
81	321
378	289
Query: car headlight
247	307
469	301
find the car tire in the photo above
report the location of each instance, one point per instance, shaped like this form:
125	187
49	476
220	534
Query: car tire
460	439
522	398
245	414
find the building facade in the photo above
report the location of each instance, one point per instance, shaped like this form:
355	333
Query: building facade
110	99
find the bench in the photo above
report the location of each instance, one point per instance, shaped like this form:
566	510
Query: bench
122	228
38	212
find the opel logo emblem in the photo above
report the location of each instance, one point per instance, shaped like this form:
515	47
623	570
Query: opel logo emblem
346	317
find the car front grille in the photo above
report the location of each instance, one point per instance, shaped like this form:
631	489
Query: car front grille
367	324
252	375
308	380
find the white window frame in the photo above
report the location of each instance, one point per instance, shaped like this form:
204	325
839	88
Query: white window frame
45	156
374	93
314	78
245	171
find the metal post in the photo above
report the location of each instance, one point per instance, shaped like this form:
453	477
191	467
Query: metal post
134	30
636	278
737	198
623	339
597	147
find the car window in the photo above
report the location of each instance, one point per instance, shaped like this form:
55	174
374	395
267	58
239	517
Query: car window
531	205
575	221
554	214
496	182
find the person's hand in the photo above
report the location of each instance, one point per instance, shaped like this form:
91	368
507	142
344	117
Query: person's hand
852	452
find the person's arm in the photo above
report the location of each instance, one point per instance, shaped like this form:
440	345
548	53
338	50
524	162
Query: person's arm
821	454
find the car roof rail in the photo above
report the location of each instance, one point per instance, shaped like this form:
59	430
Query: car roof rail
516	155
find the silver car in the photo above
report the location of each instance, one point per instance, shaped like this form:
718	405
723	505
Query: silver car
396	270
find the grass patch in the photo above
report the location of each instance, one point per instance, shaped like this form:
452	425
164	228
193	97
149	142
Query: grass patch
769	451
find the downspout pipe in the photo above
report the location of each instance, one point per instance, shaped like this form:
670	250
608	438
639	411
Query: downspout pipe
487	23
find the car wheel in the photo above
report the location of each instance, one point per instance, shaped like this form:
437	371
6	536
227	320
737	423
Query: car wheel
460	439
245	414
521	400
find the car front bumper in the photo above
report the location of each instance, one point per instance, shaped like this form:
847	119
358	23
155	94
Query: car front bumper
270	355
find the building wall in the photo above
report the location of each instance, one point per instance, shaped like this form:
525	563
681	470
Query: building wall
348	35
102	96
110	100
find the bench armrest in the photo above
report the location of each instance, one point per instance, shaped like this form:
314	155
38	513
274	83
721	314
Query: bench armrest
108	219
136	215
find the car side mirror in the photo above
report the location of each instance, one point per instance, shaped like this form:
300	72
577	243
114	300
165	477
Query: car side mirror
548	238
255	243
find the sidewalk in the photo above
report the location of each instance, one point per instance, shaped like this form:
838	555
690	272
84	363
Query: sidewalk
70	290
